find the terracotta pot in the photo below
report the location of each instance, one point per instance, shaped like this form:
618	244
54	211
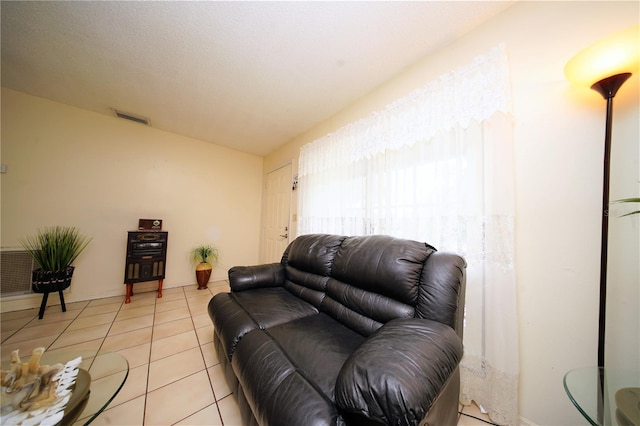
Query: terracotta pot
203	273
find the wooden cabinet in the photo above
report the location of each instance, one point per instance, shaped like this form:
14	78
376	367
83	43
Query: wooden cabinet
146	259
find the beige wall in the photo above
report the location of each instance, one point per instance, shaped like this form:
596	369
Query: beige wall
559	133
68	166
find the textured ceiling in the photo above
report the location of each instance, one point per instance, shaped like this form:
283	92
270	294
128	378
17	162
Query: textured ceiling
247	75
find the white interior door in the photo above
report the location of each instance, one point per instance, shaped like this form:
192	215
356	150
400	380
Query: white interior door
277	213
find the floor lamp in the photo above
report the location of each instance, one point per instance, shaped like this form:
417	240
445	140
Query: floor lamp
604	67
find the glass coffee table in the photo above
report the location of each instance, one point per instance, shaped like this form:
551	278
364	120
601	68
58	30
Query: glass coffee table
103	377
605	396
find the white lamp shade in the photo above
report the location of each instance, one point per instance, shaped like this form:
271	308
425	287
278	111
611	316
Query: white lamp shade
615	54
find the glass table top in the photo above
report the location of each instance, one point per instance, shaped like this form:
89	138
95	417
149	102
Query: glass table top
107	374
605	396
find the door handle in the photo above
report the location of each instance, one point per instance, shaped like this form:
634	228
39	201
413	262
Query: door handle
285	236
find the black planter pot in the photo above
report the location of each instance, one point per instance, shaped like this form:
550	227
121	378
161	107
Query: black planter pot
46	282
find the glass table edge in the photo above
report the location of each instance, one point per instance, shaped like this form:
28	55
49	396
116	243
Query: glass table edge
573	401
88	420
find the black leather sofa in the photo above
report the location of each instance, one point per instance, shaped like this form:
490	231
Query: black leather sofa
344	331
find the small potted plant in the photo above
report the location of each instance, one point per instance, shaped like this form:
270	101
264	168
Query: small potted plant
54	249
202	258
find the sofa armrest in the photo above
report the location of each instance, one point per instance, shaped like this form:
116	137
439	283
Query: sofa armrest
395	376
259	276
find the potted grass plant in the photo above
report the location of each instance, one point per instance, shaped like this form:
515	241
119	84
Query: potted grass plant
54	249
202	257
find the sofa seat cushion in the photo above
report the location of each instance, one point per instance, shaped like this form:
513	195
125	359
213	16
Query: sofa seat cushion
272	306
271	381
319	346
235	314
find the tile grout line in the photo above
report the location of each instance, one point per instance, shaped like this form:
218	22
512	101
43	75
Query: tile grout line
16	330
214	394
146	388
194	301
24	326
106	334
201	354
103	338
148	363
192	305
206	369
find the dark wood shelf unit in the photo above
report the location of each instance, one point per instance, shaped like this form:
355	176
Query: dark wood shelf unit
146	259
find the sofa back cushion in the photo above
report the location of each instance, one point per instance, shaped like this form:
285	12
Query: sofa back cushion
364	282
381	264
314	254
375	279
308	261
361	310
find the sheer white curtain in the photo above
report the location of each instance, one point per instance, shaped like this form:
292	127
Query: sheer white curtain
436	166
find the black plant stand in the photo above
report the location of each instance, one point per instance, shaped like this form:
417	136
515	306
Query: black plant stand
46	282
45	296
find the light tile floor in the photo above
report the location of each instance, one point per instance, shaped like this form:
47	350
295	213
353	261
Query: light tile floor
175	377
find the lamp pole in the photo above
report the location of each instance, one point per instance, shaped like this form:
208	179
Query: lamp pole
613	56
607	87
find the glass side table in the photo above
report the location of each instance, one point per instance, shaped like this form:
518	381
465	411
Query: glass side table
105	374
605	396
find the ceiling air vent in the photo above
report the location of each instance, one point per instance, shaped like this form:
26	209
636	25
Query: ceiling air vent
131	117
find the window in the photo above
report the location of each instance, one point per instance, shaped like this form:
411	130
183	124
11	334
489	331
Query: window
436	166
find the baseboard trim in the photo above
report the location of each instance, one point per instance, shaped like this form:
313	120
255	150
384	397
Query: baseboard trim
526	422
